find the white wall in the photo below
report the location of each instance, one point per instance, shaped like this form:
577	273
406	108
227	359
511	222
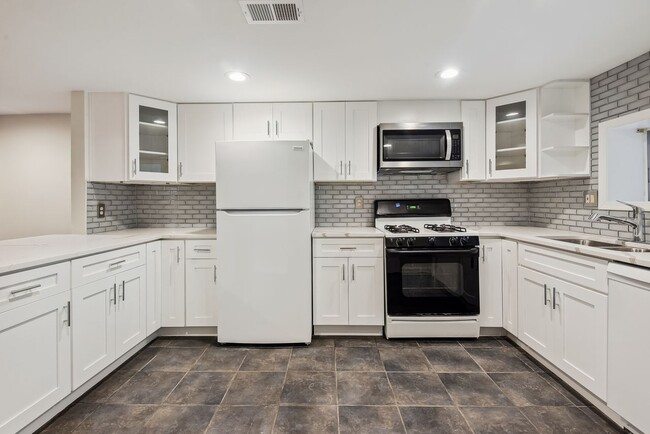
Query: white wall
34	175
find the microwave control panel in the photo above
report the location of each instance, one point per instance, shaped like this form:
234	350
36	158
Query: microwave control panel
455	146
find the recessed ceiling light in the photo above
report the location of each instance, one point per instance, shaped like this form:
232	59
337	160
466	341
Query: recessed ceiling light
159	122
237	76
511	114
448	73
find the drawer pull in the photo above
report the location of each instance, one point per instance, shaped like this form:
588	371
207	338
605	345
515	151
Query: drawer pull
347	248
117	263
28	288
199	249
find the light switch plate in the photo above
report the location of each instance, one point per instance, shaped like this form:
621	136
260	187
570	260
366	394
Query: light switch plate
590	198
358	201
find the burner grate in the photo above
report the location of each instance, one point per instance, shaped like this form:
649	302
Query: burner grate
444	228
401	229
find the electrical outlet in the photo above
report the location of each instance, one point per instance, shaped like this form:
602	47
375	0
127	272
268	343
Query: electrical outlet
101	210
590	198
358	201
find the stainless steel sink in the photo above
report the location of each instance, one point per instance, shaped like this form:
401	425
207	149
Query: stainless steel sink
587	242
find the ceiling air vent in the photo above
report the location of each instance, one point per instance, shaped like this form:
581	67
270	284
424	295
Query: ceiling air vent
271	11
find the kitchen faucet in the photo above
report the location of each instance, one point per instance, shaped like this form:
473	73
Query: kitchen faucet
637	222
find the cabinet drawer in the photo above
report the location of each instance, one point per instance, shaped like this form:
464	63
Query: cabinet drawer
95	267
24	287
348	247
200	249
578	269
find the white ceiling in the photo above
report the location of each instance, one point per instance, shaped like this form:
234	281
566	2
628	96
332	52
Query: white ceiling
179	50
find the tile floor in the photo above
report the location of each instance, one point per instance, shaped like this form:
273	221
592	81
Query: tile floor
337	385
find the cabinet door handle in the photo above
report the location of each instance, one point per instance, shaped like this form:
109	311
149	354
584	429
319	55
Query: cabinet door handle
277	129
467	167
352	271
347	248
69	321
135	166
215	274
343	269
178	254
341	167
123	290
115	293
268	128
545	299
202	249
115	264
490	166
28	288
554	299
349	167
180	169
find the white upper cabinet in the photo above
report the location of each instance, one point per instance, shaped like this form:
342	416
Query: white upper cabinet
345	141
564	129
329	141
473	117
272	121
131	138
199	127
511	136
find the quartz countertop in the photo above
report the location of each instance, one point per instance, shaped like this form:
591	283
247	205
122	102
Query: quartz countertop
22	253
347	232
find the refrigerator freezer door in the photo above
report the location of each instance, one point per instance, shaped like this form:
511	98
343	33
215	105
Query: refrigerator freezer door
264	175
264	277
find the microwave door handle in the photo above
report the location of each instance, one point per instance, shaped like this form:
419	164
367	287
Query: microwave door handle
448	136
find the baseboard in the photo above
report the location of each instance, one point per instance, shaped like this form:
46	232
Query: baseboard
188	331
347	330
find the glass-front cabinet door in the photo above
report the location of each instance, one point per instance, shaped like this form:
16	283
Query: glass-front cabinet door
152	140
511	136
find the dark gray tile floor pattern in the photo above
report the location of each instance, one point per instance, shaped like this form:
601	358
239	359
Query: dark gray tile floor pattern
336	385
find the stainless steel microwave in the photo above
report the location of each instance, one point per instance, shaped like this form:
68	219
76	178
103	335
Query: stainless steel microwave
420	147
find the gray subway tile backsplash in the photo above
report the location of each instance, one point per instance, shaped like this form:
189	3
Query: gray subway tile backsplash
554	204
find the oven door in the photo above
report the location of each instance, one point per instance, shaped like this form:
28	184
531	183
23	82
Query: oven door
432	282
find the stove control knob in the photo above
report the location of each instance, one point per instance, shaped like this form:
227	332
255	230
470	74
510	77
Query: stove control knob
453	241
410	242
463	240
398	242
432	241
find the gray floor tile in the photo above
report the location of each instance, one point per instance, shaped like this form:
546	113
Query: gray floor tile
160	342
355	341
415	388
450	359
438	342
556	420
173	419
404	359
399	343
108	386
255	388
317	388
483	342
370	420
358	359
193	342
266	359
474	389
146	388
529	388
70	419
573	397
220	359
201	388
174	359
498	359
605	425
312	359
434	420
141	359
364	388
116	418
306	420
243	420
497	420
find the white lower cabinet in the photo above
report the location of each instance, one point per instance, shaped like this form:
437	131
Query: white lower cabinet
348	290
201	292
490	284
509	283
110	318
35	360
173	283
154	286
566	324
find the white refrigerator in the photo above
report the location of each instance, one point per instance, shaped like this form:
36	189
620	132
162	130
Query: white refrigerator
264	224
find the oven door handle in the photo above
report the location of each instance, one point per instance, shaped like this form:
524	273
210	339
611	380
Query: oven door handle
471	250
